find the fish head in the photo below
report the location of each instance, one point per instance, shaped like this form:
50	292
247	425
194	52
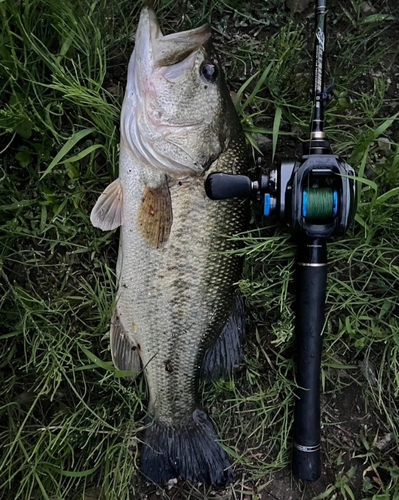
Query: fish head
177	112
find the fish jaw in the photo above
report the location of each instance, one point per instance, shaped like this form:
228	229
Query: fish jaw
173	119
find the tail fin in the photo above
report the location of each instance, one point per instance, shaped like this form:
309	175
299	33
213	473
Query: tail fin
187	450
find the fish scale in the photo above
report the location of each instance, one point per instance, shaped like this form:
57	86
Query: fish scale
179	310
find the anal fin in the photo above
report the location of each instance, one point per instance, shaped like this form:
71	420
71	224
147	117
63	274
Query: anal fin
221	359
125	353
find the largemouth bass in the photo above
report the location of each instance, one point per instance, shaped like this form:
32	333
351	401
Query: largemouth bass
176	302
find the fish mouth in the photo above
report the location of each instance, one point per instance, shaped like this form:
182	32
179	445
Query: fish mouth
167	50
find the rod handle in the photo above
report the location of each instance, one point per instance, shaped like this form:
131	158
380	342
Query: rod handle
311	297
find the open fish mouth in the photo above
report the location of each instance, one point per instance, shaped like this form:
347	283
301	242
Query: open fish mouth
170	102
167	50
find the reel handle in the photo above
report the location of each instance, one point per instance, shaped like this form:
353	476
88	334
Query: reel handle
311	296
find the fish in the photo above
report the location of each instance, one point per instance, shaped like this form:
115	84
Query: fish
178	316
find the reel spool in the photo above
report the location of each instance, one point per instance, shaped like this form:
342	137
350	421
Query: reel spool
319	204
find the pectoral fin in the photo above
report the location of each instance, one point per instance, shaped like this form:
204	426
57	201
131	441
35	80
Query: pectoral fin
125	352
155	215
107	212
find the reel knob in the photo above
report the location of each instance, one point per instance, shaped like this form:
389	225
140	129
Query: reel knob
220	186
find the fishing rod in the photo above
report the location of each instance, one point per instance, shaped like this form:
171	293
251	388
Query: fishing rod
316	198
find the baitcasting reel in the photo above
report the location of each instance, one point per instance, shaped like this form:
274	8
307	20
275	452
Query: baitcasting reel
316	198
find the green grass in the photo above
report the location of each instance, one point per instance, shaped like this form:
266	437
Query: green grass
69	423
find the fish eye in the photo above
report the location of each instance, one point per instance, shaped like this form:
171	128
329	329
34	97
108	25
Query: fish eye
209	71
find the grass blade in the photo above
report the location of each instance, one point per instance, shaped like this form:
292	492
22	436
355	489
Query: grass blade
70	144
276	129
